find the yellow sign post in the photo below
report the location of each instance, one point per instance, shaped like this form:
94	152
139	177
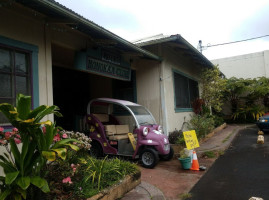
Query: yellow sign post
132	139
191	139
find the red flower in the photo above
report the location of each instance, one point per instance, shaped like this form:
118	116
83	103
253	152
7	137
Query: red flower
57	137
44	129
7	135
1	129
18	136
17	141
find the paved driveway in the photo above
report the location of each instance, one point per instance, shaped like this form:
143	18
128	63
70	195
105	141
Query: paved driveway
242	172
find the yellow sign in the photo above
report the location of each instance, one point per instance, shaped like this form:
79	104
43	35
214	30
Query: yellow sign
191	139
132	139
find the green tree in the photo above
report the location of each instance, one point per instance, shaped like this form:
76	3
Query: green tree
235	88
213	85
259	90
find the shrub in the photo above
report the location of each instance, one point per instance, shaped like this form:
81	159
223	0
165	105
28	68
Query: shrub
83	176
201	124
174	136
218	120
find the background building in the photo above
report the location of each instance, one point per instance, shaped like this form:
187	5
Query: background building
245	66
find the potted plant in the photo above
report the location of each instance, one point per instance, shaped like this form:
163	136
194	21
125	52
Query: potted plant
185	159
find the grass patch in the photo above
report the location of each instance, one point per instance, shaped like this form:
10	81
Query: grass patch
228	137
209	154
221	152
185	196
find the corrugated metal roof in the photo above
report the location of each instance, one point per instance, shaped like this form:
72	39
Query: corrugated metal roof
151	38
182	45
57	11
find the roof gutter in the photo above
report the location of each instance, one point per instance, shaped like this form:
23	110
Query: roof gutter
98	28
195	50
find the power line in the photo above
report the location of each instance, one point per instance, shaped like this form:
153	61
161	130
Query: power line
201	48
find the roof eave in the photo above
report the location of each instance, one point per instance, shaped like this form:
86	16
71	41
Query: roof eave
175	38
96	27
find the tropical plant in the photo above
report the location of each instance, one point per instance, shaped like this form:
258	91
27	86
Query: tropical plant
213	85
22	167
246	112
203	125
84	176
235	88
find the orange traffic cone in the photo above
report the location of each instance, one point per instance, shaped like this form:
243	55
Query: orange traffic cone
195	164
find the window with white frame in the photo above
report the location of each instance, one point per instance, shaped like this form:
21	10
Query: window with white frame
15	76
186	91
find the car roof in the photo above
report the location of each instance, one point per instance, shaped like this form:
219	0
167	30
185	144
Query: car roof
117	101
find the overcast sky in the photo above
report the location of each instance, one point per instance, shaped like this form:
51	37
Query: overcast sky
212	21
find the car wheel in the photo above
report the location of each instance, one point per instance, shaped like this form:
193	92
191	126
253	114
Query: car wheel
168	156
149	157
96	150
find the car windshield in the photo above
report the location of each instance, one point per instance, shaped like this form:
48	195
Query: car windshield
142	116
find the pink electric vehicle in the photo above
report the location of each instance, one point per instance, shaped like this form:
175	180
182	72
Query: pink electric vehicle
119	127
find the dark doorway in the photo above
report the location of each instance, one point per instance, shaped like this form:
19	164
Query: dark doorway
71	93
125	90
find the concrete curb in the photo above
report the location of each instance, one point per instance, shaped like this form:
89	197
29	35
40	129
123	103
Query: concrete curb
226	142
208	136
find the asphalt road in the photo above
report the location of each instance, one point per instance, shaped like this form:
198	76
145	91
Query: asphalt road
242	172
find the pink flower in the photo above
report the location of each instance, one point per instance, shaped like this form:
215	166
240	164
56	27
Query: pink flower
18	136
1	129
15	130
7	135
44	129
67	180
65	135
73	165
17	141
57	137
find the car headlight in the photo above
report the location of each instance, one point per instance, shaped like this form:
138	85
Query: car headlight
160	129
263	120
145	131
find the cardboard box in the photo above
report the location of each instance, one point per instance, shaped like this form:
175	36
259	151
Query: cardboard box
120	129
102	117
110	129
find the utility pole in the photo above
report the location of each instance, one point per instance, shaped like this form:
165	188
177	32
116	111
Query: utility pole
200	47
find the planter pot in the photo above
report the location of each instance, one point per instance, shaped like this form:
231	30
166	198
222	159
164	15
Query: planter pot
185	162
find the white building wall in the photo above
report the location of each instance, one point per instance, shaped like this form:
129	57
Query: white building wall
180	63
29	29
245	66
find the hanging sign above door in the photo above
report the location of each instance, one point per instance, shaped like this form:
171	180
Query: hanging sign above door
103	63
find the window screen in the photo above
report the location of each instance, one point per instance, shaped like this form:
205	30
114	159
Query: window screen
186	91
15	76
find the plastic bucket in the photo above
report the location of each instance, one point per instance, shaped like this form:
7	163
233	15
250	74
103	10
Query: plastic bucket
189	153
185	162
